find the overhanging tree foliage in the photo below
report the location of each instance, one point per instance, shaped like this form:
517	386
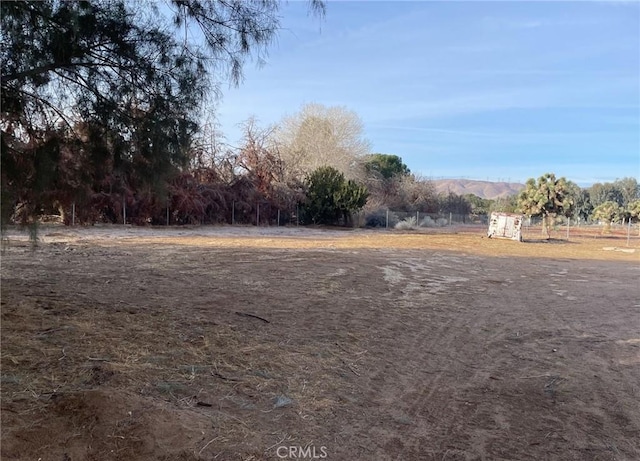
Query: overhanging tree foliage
548	197
102	97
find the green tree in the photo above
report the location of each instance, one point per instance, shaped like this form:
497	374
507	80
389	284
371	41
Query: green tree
629	189
386	165
384	176
582	207
508	204
453	203
633	210
608	212
132	78
605	192
479	206
330	198
547	197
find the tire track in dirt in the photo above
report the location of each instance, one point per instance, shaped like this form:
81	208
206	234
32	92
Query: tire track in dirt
421	365
443	396
460	403
423	306
548	347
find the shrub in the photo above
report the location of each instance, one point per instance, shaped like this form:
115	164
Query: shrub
330	198
428	221
407	224
378	218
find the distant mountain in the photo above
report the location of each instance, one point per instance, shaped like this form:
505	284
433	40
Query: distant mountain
484	189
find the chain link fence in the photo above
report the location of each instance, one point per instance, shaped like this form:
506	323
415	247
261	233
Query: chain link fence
264	213
127	213
394	219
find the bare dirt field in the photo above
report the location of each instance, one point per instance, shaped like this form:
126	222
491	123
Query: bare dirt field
246	344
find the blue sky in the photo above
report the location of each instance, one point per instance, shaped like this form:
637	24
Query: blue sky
480	90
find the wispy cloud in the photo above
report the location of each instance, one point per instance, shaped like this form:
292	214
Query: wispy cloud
502	135
430	107
507	22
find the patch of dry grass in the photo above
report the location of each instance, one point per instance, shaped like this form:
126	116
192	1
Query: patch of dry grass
602	248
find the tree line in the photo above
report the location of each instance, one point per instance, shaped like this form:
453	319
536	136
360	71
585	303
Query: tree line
550	197
102	113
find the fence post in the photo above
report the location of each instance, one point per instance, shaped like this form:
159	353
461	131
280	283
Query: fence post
257	214
278	217
387	221
417	218
628	231
450	219
73	214
167	213
124	211
568	225
297	215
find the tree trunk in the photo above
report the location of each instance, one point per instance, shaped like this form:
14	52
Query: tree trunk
545	226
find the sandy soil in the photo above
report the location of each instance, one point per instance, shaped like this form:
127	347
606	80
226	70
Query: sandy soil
244	344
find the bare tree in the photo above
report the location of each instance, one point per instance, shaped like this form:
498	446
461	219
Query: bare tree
259	157
260	161
320	136
416	194
210	154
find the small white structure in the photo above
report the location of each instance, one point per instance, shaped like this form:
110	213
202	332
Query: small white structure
506	226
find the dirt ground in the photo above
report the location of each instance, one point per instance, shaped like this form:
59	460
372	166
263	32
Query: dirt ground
267	344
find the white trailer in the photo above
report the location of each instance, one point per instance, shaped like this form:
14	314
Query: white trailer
506	226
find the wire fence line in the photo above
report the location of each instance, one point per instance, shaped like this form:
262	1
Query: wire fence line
390	218
266	214
240	213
